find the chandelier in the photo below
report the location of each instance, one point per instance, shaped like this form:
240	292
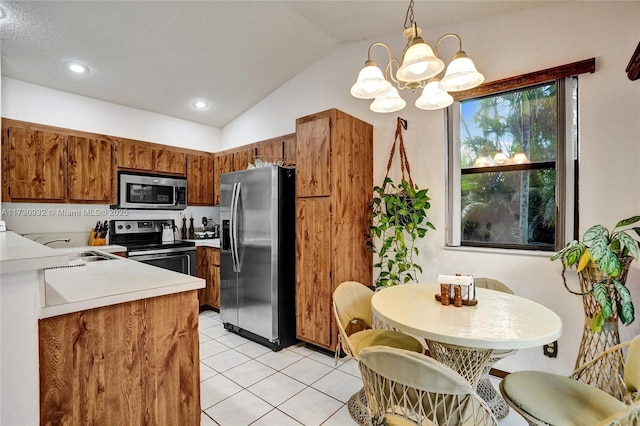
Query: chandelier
419	70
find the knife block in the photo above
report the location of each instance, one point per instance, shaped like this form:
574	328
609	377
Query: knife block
96	241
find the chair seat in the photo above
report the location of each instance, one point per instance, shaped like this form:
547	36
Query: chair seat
558	400
375	337
396	420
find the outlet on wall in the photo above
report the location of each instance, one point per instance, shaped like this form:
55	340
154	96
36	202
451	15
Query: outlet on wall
551	349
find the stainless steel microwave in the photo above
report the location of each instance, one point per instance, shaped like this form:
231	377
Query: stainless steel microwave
151	192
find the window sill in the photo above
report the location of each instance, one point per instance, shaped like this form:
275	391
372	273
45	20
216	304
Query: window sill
515	252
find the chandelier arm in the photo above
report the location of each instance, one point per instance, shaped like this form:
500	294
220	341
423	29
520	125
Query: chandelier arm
445	36
390	60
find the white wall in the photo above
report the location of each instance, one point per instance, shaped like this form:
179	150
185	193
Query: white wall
37	104
501	47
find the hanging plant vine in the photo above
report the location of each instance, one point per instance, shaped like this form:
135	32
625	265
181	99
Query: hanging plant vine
398	218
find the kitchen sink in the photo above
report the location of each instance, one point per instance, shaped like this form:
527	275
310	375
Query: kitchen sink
90	256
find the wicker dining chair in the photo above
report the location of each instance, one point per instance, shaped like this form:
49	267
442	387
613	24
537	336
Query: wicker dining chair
407	388
352	303
550	399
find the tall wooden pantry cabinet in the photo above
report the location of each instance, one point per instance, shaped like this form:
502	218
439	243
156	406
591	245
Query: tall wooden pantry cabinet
334	181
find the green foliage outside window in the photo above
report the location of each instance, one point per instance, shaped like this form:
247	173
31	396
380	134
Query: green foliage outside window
504	200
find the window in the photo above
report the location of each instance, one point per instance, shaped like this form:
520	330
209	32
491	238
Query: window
512	159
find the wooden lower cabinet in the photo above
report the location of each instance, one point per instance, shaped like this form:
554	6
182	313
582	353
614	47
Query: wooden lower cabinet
314	287
208	268
134	363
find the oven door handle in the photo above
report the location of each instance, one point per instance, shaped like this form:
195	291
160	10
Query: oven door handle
148	256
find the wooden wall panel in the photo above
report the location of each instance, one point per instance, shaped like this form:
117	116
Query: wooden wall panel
134	363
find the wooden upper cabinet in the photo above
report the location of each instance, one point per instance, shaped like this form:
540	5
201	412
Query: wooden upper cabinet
242	158
223	163
135	156
199	180
270	149
91	167
169	161
37	164
280	148
313	158
290	149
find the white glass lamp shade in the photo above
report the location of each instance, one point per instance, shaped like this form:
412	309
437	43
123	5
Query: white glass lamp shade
391	102
371	82
433	97
419	62
461	74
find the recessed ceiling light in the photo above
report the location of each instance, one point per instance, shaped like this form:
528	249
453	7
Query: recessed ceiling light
200	104
3	14
77	67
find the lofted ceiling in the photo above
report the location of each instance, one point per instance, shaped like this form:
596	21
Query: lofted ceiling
159	56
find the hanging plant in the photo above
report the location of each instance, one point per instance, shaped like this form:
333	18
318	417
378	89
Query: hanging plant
398	218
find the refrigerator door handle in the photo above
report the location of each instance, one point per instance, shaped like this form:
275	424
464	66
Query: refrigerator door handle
231	226
234	226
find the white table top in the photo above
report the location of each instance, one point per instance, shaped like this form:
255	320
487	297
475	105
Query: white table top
498	321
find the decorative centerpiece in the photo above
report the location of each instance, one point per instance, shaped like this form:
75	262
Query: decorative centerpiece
602	259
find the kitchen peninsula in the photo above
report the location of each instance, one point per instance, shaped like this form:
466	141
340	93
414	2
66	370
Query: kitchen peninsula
112	339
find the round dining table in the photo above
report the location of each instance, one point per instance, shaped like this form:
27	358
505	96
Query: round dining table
463	338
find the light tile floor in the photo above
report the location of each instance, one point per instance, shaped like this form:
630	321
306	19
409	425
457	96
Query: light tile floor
244	383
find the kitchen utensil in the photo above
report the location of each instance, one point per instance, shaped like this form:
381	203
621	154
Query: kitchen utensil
167	233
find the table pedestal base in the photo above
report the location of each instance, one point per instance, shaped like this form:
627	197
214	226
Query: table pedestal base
358	408
471	363
468	362
494	400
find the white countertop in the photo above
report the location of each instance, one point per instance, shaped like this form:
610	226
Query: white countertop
19	254
108	282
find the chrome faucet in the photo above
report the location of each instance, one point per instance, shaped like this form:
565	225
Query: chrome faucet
66	240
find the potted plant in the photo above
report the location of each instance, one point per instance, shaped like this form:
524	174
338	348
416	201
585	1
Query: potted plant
398	218
602	260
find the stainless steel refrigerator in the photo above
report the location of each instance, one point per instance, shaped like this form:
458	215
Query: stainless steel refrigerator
257	254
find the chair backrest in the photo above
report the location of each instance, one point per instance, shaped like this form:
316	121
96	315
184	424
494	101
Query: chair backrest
419	389
352	301
632	368
491	284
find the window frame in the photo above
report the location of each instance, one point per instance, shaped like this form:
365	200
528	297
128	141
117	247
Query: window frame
566	163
